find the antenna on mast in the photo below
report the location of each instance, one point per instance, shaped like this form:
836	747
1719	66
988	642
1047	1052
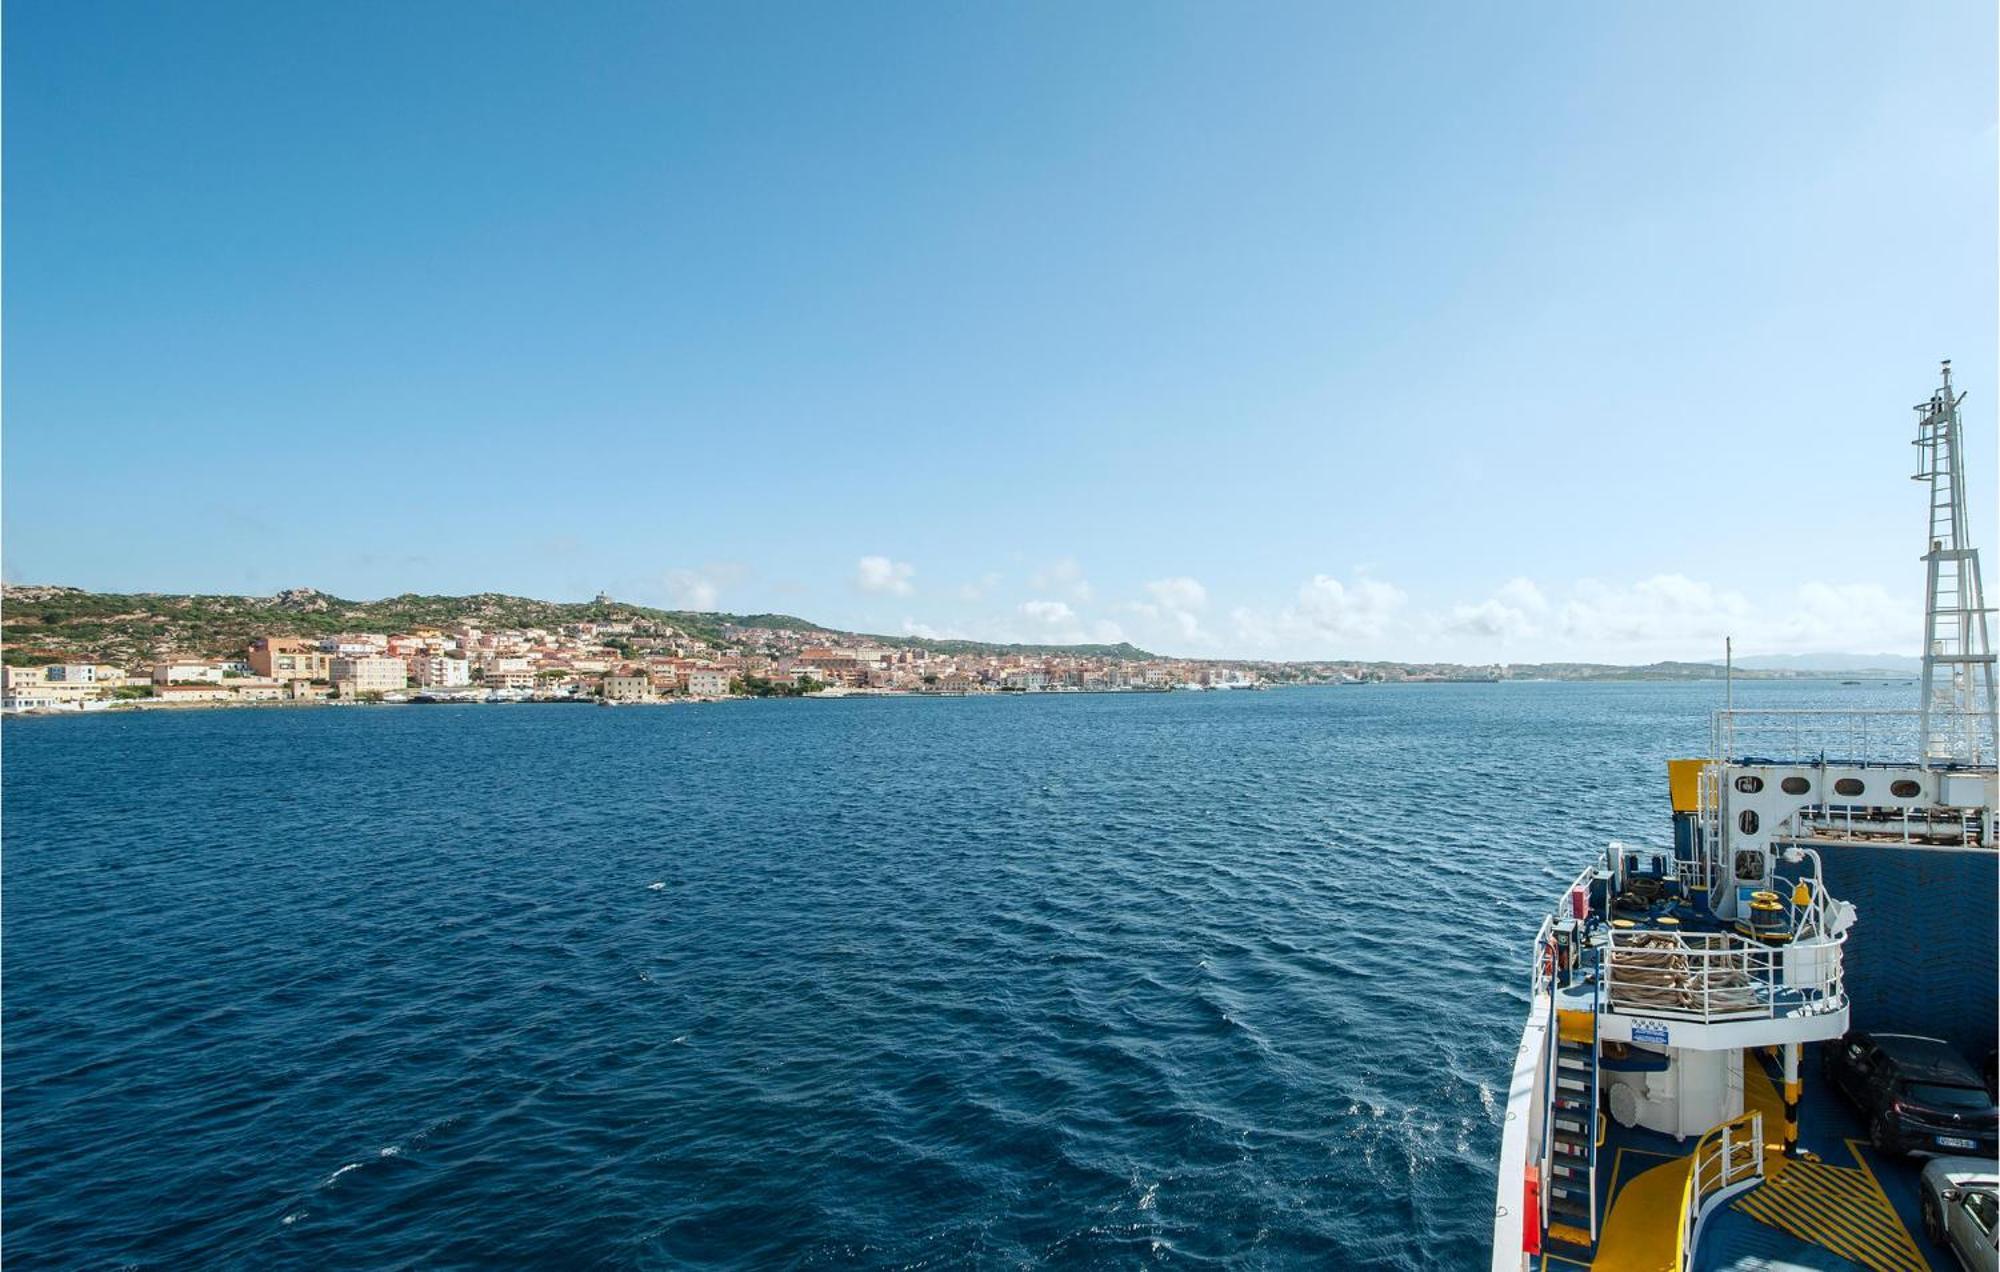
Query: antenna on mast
1728	673
1958	722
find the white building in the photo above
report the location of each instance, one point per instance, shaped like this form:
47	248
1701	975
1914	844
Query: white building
355	676
354	646
708	684
25	689
438	672
186	673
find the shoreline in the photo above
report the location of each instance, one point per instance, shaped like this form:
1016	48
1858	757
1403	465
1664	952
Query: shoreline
149	705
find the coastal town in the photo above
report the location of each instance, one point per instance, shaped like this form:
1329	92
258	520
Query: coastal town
615	662
65	650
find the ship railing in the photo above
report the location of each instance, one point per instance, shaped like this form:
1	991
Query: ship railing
1840	735
1697	873
1727	1161
1543	979
1710	977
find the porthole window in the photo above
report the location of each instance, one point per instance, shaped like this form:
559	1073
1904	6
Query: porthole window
1848	786
1749	784
1747	821
1905	789
1795	786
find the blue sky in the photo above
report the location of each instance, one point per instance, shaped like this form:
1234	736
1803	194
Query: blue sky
1426	331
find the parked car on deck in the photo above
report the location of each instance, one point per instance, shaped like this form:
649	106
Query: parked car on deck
1916	1094
1960	1197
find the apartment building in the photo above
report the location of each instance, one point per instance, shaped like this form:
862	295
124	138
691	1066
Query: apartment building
353	677
187	673
438	672
289	658
708	683
627	688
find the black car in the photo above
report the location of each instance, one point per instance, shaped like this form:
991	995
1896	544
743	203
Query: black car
1917	1094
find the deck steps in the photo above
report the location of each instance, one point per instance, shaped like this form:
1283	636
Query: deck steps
1570	1235
1573	1125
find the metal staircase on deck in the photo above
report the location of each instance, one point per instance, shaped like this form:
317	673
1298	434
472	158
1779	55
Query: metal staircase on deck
1572	1186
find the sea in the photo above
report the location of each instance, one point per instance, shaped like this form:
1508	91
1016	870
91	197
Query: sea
1192	979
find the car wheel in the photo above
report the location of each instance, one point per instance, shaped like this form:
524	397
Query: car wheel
1881	1136
1933	1225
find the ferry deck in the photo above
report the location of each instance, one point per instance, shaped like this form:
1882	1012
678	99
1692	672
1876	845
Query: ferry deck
1668	1110
1684	995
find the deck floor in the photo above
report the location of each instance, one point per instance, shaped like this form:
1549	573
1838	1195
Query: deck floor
1851	1208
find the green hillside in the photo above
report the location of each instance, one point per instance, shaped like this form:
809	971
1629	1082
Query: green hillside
53	624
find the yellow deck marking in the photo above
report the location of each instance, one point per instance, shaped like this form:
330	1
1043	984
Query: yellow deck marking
1639	1233
1839	1208
1570	1234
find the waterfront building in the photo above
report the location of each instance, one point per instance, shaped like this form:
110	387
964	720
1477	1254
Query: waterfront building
289	658
355	676
632	687
708	683
186	673
436	671
511	677
25	689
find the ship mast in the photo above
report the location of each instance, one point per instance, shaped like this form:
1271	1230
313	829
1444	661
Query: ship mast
1958	723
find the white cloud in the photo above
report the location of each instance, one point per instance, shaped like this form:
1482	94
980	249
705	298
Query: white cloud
1050	612
1674	616
1327	619
1181	593
1358	611
690	590
1510	613
880	575
1175	608
1254	630
1522	594
1665	612
1064	577
1853	618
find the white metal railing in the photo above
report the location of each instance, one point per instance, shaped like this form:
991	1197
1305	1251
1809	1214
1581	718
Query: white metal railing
1842	735
1699	872
1727	1161
1718	976
1544	974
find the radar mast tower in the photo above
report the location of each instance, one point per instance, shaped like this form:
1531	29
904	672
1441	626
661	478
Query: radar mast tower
1958	721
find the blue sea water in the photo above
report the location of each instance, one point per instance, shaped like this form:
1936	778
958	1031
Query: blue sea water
1200	979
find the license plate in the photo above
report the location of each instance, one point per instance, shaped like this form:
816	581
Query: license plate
1952	1141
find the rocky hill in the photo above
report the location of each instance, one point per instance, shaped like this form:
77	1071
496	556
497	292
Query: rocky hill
51	624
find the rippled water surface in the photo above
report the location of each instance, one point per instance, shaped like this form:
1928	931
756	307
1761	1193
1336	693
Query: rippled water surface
1222	979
